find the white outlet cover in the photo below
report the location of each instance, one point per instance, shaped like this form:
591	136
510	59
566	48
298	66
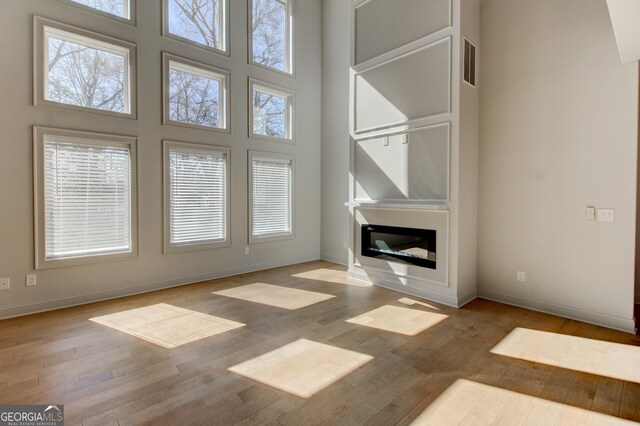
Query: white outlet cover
5	283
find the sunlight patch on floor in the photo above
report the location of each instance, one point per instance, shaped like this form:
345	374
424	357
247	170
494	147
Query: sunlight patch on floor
167	325
332	276
470	403
274	295
303	367
411	302
398	320
608	359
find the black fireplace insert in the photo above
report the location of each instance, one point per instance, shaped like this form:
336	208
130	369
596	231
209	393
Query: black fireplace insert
409	245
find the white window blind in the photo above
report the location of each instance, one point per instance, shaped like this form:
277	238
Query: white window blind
87	198
271	188
197	196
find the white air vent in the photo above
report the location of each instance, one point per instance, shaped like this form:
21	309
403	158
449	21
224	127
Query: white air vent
469	62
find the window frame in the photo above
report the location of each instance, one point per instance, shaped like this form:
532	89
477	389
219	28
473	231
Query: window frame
218	73
226	51
88	138
290	42
279	157
131	6
289	95
40	75
178	248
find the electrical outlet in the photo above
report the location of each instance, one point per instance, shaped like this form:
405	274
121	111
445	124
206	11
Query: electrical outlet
246	250
591	214
5	283
521	276
31	280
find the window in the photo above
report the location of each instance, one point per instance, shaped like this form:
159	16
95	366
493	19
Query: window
113	8
270	196
196	196
195	94
199	22
270	34
85	197
79	69
271	111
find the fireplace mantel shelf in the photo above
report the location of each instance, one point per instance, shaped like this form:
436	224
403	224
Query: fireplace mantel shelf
414	205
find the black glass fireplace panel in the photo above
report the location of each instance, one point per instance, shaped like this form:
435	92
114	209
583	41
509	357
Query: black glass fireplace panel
408	245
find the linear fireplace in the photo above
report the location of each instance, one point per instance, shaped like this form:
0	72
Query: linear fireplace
408	245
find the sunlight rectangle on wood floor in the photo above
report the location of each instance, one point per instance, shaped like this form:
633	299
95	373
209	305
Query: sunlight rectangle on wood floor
470	403
398	319
167	325
274	295
303	367
332	276
608	359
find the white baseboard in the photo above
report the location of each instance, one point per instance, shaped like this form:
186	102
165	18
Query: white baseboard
467	297
66	302
617	323
333	259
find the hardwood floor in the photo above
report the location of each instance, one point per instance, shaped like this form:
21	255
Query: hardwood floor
407	359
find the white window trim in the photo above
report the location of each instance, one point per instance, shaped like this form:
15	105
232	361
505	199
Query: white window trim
103	42
290	112
39	134
286	158
130	6
206	71
226	40
177	248
289	48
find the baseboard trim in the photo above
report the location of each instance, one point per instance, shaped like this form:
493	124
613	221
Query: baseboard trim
333	259
468	297
616	323
67	302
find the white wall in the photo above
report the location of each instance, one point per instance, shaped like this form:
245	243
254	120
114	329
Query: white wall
558	133
335	128
151	269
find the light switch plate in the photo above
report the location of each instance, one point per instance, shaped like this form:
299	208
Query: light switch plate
606	215
591	214
31	280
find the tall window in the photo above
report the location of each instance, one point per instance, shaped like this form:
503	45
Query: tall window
119	8
202	22
85	196
270	196
80	69
271	28
196	196
271	112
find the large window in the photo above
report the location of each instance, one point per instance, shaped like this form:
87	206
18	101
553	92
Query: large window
121	9
85	196
270	196
195	94
271	34
199	22
271	111
196	196
83	70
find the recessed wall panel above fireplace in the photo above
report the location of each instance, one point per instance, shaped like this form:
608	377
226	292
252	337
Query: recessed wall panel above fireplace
382	26
407	167
386	95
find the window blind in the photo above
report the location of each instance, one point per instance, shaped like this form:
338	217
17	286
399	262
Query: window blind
87	198
271	197
197	196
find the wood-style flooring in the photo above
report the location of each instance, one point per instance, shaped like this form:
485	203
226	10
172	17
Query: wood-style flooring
366	356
